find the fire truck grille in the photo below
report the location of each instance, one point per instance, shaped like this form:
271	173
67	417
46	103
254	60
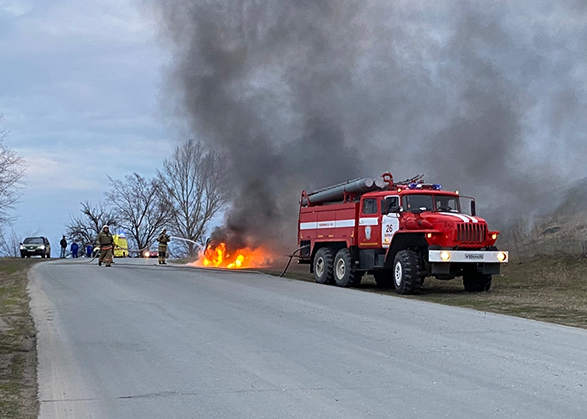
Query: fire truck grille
471	233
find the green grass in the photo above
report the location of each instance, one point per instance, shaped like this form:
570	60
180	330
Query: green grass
18	384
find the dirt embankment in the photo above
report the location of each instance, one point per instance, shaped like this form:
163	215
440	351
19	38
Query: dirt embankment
18	356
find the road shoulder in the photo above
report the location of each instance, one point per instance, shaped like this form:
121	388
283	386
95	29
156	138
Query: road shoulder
18	351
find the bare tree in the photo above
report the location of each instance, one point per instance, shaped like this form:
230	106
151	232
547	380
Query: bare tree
12	170
139	208
10	244
193	184
85	228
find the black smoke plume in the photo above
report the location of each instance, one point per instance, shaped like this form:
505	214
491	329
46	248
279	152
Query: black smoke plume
487	98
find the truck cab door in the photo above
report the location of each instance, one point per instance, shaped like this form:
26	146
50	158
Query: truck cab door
369	237
390	208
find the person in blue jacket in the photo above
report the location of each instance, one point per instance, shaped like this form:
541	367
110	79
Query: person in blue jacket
74	249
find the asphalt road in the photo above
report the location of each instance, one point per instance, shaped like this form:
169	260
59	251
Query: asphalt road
144	341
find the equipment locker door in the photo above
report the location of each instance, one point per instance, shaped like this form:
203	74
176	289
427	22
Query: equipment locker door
390	207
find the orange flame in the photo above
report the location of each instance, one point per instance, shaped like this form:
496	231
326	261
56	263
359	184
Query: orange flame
219	257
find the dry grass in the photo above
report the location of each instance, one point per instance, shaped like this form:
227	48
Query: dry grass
546	288
18	357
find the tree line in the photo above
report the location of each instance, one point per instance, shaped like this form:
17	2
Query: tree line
185	194
12	170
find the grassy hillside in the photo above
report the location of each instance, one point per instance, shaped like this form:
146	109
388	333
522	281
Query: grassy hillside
558	231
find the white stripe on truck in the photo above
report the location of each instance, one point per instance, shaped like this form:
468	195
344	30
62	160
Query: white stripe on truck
368	221
327	224
465	218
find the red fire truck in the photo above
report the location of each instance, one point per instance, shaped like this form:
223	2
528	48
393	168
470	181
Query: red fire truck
398	232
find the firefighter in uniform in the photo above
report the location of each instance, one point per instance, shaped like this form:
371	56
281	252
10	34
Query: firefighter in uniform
162	250
106	243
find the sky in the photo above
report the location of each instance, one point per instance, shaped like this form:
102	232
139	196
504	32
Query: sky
490	100
80	87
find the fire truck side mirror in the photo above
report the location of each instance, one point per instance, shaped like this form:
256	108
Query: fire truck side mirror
473	210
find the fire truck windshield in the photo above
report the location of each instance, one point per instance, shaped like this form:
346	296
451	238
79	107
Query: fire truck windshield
422	202
417	203
446	203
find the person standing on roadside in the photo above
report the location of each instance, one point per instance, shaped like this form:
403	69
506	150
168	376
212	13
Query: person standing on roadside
162	250
63	244
106	243
74	249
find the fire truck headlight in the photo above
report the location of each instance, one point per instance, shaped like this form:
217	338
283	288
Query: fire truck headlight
501	256
445	256
494	236
429	235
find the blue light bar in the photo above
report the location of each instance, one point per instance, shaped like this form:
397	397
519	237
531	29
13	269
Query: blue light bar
436	186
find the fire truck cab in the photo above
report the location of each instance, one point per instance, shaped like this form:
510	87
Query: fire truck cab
400	233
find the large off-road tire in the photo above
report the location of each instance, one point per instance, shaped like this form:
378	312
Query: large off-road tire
323	266
406	272
344	275
384	278
476	282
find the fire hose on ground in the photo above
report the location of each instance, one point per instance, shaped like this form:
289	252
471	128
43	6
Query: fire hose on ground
293	255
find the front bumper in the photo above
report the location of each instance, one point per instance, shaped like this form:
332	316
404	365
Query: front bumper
449	262
467	256
36	251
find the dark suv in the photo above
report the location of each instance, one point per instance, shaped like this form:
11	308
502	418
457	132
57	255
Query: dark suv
35	246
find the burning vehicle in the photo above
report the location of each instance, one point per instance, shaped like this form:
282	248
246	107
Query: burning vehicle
219	254
400	233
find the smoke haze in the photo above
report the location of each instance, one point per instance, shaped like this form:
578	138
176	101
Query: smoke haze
487	98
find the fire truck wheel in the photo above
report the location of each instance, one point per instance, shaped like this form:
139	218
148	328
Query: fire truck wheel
476	282
406	272
323	266
344	276
384	279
